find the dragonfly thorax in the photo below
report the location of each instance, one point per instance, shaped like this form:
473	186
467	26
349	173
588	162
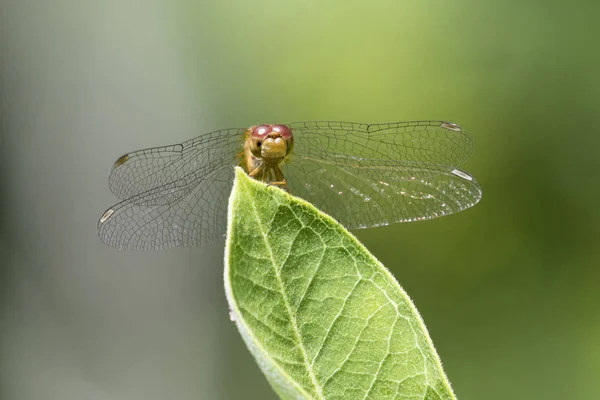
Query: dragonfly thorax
265	148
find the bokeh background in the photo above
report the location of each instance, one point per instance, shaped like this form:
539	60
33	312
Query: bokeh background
510	290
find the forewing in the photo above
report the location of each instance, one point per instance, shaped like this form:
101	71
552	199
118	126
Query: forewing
412	149
140	171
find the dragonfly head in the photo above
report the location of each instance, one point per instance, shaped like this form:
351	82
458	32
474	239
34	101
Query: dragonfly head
271	142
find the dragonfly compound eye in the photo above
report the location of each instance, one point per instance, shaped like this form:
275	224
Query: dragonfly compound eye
286	134
259	134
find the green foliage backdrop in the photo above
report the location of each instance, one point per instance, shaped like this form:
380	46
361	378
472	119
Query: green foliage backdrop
508	289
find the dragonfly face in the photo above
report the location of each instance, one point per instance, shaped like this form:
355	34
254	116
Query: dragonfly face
270	142
363	175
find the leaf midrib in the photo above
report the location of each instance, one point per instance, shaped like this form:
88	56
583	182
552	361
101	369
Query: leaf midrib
288	308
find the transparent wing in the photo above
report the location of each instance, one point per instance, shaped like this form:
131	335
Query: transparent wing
370	175
363	175
177	194
142	170
411	149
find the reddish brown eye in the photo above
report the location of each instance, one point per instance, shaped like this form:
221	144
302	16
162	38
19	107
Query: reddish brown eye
258	135
261	131
286	134
283	130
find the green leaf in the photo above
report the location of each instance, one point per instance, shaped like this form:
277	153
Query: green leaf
323	318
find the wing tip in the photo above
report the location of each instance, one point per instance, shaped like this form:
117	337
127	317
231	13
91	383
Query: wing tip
450	126
462	174
107	214
121	160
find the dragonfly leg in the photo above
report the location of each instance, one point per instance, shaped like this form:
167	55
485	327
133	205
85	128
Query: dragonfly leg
280	182
255	171
260	173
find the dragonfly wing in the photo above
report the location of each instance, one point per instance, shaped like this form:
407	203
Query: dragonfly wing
140	171
413	149
173	195
181	213
358	202
370	175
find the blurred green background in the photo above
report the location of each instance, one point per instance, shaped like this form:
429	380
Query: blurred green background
510	290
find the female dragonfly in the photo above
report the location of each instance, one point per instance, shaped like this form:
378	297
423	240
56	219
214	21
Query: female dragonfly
364	175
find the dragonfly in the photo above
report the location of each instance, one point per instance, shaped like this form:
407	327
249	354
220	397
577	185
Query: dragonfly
363	175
